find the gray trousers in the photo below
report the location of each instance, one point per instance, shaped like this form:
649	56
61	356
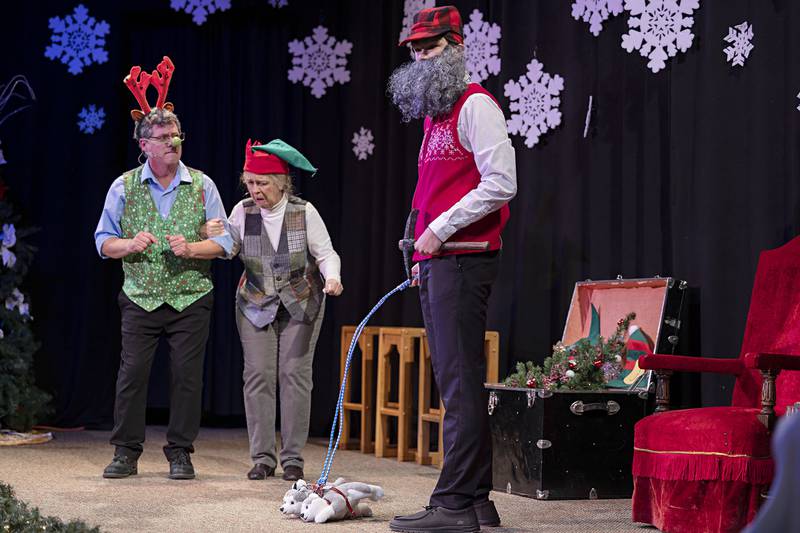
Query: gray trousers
279	353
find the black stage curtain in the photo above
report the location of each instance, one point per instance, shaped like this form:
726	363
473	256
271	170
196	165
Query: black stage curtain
689	172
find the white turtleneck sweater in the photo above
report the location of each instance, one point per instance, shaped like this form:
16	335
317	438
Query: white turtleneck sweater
317	238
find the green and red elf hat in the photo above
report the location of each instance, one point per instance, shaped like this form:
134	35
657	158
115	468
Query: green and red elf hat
274	158
436	22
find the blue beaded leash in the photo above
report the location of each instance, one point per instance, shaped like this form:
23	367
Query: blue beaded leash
326	467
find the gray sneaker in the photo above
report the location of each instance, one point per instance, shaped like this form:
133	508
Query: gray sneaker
437	519
121	466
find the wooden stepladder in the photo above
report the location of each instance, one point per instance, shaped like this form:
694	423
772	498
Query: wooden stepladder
365	408
402	340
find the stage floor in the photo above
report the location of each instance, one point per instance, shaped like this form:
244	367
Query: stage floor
63	478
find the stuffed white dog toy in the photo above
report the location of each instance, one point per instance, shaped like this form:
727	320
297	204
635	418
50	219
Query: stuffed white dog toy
294	497
340	502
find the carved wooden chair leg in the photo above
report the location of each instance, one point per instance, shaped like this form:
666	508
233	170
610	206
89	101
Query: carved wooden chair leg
662	390
767	414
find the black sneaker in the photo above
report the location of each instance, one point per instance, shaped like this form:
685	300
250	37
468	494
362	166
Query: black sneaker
180	465
487	513
437	519
121	466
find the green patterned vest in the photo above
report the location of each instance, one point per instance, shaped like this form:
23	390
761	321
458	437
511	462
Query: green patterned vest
157	276
287	275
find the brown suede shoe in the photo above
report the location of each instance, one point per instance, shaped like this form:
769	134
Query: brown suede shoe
487	513
437	519
293	473
261	471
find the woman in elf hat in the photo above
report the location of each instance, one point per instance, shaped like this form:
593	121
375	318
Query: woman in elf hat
289	267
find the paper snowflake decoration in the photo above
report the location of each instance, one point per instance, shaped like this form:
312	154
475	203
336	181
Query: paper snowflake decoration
278	3
534	103
319	61
659	28
91	119
411	8
362	143
200	9
595	12
77	40
481	40
740	37
798	106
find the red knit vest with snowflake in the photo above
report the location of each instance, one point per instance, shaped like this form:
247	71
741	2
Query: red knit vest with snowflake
447	172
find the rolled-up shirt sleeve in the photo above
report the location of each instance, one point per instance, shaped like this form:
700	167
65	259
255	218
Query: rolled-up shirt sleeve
215	209
236	229
109	224
320	245
482	130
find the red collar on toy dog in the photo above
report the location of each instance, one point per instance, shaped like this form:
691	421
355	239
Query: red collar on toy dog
346	501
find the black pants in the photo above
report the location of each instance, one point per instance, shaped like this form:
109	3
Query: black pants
454	291
187	333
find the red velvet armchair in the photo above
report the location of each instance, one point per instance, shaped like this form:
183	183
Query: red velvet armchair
707	469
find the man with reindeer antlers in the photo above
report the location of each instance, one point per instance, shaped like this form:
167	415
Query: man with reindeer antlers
151	220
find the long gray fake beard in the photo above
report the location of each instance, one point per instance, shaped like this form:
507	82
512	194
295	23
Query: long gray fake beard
429	87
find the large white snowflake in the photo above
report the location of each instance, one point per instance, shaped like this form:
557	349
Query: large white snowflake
362	143
662	29
200	9
740	37
481	40
91	119
78	40
595	12
319	61
534	103
411	8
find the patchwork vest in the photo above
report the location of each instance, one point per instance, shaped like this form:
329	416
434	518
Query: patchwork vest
288	275
447	172
157	276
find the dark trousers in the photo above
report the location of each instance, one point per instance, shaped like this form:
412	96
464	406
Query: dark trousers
454	291
186	333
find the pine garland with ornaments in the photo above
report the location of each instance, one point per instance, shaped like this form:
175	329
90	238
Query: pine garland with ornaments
588	364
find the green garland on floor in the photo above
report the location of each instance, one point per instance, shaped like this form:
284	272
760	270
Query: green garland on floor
17	517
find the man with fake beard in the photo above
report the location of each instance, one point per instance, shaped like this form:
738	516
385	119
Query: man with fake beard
467	176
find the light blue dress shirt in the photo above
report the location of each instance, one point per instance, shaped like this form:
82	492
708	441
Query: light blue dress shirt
109	225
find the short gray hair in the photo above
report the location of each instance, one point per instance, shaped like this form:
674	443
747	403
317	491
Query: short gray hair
157	117
283	181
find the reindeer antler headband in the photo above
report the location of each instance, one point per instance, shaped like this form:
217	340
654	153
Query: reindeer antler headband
138	81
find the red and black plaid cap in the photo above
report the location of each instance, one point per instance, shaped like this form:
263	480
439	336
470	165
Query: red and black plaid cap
435	22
